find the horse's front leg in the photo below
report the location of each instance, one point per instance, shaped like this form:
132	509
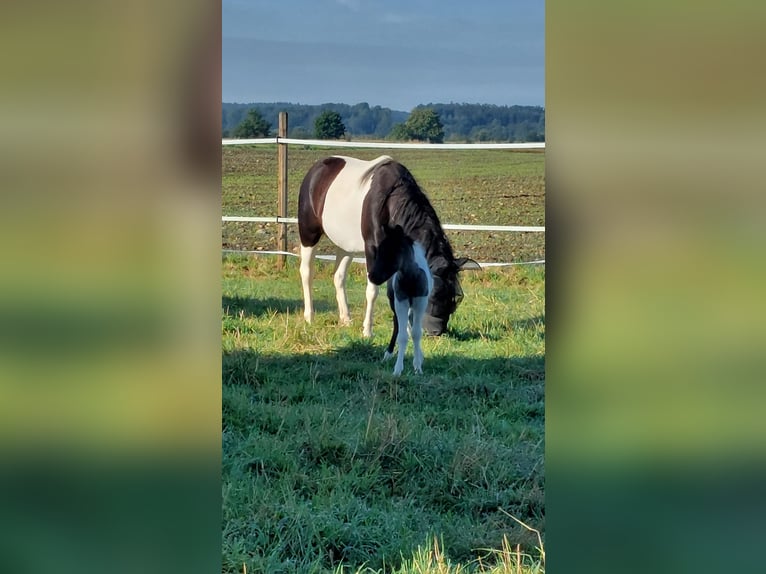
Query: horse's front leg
402	311
394	336
372	295
418	310
342	261
307	280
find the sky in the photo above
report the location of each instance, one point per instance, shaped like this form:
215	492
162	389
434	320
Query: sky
392	53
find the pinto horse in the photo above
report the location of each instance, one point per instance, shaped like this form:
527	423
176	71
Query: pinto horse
402	262
353	201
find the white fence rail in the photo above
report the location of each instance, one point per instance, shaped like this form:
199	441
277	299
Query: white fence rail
482	264
453	226
385	145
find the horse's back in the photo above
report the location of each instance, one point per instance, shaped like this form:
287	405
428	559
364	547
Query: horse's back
342	214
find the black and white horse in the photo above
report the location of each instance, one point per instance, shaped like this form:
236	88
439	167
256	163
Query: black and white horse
352	201
402	262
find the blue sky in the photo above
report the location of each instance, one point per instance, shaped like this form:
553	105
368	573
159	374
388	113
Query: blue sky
392	53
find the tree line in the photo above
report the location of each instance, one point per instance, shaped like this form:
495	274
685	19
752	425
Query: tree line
430	122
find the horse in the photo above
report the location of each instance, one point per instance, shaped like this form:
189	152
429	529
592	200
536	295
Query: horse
402	262
351	200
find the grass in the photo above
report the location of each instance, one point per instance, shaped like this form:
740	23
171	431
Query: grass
331	464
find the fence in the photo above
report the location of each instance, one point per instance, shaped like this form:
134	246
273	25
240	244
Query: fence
282	220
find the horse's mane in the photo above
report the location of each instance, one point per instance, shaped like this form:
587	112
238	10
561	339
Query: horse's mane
409	207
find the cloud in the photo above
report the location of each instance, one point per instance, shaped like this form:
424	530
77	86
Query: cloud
351	4
391	18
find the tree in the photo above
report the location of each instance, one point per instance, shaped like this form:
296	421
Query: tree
399	133
424	125
460	121
361	120
300	133
253	126
329	126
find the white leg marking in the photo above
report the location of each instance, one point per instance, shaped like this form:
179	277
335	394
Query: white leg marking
342	261
419	308
402	309
372	295
307	280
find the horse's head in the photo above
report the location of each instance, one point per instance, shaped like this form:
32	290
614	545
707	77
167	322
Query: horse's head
447	293
390	245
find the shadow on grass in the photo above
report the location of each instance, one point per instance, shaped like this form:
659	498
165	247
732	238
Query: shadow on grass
258	307
437	453
362	360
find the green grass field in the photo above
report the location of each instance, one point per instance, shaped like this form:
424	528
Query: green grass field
332	464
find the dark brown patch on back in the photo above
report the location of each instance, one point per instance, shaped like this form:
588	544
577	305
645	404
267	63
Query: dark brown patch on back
331	169
312	196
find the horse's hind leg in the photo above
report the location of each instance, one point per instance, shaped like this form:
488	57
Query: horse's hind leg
307	280
342	261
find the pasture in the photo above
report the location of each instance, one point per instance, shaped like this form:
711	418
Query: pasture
330	463
491	187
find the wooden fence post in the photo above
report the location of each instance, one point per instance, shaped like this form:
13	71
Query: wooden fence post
282	190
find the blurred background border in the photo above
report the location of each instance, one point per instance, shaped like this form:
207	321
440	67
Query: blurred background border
110	355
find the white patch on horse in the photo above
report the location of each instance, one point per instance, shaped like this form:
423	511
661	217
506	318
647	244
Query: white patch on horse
344	200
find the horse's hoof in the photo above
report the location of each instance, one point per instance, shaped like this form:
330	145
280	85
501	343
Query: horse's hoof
367	333
308	317
387	356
